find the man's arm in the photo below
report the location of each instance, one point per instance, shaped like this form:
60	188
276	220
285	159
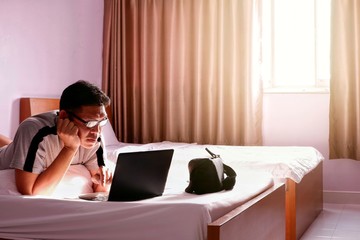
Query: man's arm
4	140
45	183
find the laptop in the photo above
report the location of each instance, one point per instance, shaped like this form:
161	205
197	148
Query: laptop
137	176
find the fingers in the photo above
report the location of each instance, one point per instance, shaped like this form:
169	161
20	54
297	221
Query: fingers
96	179
65	126
68	133
109	176
104	177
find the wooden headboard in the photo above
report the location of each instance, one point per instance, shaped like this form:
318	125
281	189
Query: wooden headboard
33	106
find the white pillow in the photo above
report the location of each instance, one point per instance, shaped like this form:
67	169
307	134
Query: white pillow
109	135
76	181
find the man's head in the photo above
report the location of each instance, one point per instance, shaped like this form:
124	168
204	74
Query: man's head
82	93
84	104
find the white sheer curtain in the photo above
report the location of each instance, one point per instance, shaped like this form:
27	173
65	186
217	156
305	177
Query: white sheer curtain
183	71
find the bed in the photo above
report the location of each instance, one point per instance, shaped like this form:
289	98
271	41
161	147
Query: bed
283	200
298	168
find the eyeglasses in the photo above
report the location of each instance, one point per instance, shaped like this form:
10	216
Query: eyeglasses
91	123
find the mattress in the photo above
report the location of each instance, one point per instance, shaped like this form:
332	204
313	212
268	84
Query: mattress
283	162
175	215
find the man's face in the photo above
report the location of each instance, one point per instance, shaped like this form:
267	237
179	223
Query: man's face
89	136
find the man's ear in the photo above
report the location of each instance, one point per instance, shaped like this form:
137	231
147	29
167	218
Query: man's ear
63	114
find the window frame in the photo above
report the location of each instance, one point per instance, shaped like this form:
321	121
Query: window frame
320	85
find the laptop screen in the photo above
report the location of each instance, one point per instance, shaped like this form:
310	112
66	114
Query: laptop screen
140	175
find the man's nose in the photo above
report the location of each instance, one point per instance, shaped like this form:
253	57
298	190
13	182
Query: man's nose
96	128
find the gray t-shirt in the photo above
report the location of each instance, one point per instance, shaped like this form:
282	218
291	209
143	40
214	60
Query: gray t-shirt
36	145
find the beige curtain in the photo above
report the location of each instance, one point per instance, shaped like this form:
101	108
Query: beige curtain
345	80
183	70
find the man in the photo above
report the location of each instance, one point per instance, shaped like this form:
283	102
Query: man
47	144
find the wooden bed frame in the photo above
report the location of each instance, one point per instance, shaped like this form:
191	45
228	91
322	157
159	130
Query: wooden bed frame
260	218
304	202
284	211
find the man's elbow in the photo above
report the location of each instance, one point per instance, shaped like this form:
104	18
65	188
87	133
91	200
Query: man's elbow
24	191
25	182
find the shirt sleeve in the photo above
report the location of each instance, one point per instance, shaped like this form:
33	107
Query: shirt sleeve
22	145
35	144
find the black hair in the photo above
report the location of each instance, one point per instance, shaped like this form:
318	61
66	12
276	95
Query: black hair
82	93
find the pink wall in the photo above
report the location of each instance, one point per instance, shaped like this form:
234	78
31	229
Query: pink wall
297	119
45	46
303	120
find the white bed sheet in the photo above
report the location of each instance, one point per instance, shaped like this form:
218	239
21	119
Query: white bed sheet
291	162
175	215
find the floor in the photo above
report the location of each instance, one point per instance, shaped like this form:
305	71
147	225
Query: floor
336	221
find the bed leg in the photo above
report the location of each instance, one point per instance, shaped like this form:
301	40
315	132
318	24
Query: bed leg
290	202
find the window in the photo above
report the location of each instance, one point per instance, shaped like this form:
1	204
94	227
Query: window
295	44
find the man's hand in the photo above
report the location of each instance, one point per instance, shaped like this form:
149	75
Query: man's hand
68	132
102	179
